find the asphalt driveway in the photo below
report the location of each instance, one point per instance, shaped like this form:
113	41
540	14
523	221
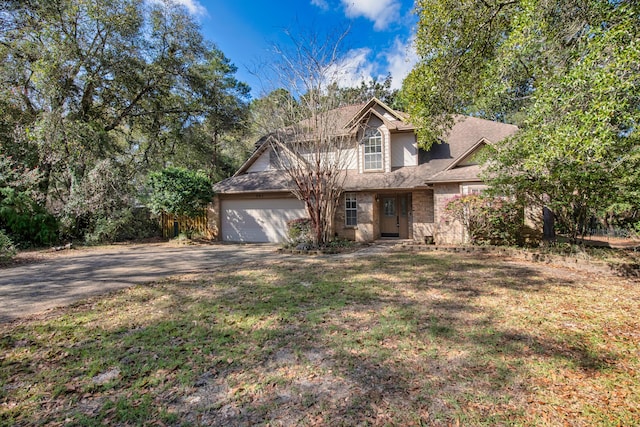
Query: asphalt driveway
34	288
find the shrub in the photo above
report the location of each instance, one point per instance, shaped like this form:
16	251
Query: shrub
122	225
96	207
299	230
179	191
7	249
140	224
340	243
488	220
28	223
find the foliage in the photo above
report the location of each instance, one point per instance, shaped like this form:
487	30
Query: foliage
179	191
566	71
487	220
139	225
22	214
27	221
124	225
97	202
299	230
7	248
340	243
364	92
129	82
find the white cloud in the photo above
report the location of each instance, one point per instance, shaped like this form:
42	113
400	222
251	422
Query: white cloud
400	60
322	4
193	6
353	69
381	12
358	66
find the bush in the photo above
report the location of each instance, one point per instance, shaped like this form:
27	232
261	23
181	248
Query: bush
488	220
7	249
98	204
140	225
340	243
28	223
123	225
179	191
299	230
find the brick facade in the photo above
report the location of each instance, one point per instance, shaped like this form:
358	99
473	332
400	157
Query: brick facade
368	228
446	231
421	224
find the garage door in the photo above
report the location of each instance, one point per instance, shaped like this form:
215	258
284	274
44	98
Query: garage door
258	220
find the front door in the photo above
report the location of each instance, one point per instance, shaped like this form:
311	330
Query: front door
394	219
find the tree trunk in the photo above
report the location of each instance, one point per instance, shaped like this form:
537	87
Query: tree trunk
548	224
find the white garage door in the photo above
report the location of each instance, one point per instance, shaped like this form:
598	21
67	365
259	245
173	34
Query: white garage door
258	220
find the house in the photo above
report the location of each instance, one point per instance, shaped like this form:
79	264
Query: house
392	189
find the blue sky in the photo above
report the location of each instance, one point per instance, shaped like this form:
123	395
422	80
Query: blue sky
379	39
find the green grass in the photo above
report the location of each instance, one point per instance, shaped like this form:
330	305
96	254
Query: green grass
404	339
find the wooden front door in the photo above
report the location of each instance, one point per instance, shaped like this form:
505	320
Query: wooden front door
394	220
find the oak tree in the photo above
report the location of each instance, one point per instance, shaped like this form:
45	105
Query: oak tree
566	71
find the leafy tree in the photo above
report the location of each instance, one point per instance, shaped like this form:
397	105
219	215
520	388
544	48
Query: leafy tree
566	71
22	213
366	91
179	191
279	102
98	207
130	82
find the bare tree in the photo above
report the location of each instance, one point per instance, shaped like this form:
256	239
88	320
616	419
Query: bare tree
306	126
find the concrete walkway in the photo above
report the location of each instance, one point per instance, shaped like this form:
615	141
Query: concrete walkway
61	280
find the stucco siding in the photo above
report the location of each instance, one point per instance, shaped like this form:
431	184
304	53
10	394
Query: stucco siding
403	150
261	164
350	158
213	218
383	112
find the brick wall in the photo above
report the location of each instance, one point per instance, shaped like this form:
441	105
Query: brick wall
446	232
422	215
367	226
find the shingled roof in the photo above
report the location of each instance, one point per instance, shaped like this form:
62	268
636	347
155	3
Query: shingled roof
437	165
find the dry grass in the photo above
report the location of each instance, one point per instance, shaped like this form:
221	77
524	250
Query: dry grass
401	339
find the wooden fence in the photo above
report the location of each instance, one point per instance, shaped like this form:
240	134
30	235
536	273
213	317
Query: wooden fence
173	225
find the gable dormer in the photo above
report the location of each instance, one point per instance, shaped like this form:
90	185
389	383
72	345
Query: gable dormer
375	107
373	146
385	140
261	163
470	157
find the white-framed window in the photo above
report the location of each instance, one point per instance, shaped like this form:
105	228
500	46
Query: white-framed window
350	210
467	189
372	150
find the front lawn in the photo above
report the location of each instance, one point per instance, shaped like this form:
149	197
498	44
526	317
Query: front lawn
400	339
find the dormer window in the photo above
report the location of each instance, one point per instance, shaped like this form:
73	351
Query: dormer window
372	150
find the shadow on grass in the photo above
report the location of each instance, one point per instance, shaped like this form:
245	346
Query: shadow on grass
398	339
